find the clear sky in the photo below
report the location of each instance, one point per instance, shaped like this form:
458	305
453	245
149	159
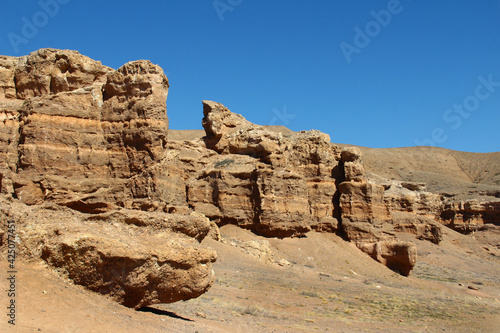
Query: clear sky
376	73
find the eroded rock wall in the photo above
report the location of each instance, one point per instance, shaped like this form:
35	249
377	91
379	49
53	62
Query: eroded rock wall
275	185
470	216
80	135
85	175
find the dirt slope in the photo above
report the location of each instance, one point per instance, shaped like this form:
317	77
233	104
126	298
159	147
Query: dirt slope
325	285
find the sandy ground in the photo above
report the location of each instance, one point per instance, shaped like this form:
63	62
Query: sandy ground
325	285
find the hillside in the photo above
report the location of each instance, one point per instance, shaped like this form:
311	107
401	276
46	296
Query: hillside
444	171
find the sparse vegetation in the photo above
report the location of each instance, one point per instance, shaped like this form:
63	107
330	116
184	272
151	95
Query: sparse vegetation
253	310
310	294
224	163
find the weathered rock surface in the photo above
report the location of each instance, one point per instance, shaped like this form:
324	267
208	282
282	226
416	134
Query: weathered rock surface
398	256
367	220
412	198
470	216
135	258
290	185
147	271
84	134
77	134
260	180
80	135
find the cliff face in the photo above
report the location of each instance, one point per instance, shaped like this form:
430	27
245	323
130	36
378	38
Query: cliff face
84	153
80	135
263	181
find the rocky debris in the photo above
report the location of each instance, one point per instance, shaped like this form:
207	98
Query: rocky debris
259	249
489	236
412	186
284	263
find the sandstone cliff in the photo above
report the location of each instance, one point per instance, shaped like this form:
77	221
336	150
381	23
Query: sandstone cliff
77	134
121	209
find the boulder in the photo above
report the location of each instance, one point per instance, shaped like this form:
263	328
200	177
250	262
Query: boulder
135	258
396	255
150	269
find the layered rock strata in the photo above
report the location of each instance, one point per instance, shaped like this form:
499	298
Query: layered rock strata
470	216
77	134
92	142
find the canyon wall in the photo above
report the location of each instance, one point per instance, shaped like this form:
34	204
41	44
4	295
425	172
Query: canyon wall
105	198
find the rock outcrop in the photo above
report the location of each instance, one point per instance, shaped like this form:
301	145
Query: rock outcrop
367	220
82	150
135	258
470	216
288	185
274	185
91	142
84	134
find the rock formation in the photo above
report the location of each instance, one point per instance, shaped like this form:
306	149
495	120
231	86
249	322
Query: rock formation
121	209
77	134
469	216
260	180
135	258
288	185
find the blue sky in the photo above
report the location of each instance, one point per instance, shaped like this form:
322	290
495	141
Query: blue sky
373	73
